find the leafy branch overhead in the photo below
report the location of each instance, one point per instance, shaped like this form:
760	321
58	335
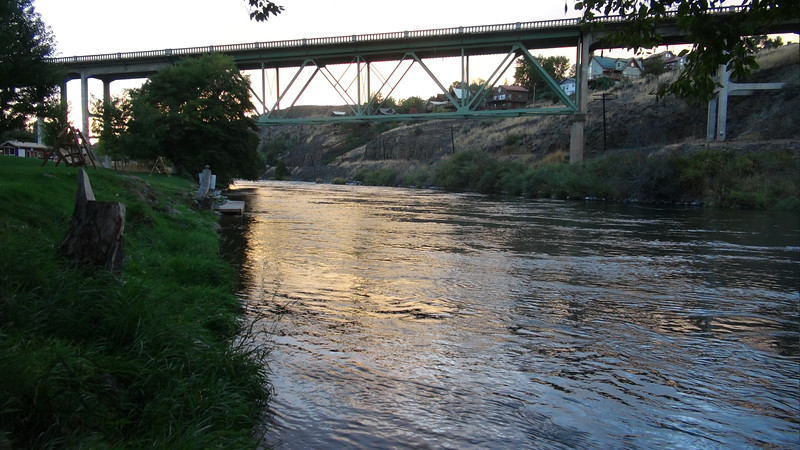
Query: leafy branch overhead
260	10
719	39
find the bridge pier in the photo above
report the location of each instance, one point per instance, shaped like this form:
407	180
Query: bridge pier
577	140
85	104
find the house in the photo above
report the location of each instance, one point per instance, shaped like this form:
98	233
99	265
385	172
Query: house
508	97
666	59
568	86
616	68
24	149
677	62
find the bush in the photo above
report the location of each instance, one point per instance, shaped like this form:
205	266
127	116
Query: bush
767	180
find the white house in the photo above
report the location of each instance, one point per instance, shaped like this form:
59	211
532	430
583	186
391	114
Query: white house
568	86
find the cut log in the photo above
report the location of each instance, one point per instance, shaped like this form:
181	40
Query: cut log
95	235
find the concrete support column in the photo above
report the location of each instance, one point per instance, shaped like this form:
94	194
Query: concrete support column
711	123
85	104
64	95
577	140
722	103
106	91
263	89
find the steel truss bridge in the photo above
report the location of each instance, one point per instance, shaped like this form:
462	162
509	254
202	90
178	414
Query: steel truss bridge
348	65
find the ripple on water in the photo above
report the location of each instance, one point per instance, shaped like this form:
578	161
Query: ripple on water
423	319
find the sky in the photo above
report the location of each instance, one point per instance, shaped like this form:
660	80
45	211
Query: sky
84	27
88	27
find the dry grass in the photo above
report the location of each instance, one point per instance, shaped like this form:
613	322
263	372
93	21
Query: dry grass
779	57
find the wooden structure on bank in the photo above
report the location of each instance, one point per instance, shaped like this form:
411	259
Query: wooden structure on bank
159	167
72	148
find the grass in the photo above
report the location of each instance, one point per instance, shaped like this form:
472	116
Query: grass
718	178
152	358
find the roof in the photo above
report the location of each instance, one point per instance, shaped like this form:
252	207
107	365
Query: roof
606	62
513	88
20	144
566	81
459	93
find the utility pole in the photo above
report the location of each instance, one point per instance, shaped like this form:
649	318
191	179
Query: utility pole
605	96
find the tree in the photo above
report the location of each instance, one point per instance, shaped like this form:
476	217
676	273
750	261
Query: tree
260	10
26	78
195	113
115	115
526	75
412	105
718	39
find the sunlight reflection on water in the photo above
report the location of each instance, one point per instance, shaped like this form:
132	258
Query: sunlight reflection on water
425	319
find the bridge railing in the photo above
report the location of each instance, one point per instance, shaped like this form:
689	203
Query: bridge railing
361	38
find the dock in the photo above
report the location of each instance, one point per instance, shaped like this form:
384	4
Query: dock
231	207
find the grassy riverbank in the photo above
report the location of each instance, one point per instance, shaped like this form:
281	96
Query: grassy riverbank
719	178
152	358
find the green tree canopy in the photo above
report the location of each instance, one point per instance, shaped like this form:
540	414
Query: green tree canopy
195	113
115	113
718	39
526	75
26	78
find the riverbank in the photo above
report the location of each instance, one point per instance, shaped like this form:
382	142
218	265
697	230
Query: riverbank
767	179
658	145
152	358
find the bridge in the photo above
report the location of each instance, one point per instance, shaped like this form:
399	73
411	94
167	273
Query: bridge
348	65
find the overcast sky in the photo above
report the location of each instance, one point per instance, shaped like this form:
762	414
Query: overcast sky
84	27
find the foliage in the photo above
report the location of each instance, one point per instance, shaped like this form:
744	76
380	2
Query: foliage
55	120
272	150
26	78
380	102
602	83
18	135
728	179
153	359
378	177
411	104
115	115
765	42
473	87
527	76
195	113
260	10
281	171
718	39
654	66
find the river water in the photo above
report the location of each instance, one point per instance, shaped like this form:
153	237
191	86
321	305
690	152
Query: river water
412	318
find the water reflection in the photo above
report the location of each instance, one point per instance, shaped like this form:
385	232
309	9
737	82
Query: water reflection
424	319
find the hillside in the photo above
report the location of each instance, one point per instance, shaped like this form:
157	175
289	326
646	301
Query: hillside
636	120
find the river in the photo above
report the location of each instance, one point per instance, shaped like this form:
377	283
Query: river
421	319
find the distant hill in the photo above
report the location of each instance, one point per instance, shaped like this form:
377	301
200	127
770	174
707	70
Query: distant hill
636	121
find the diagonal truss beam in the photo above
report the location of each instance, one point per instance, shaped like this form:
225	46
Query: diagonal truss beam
367	107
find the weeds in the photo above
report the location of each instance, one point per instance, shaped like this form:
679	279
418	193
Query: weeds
153	358
721	178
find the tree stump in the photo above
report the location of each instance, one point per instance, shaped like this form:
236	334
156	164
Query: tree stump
95	234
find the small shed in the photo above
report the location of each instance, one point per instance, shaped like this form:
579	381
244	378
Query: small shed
24	149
